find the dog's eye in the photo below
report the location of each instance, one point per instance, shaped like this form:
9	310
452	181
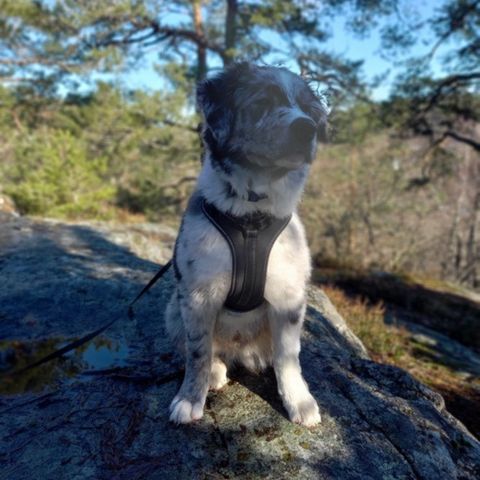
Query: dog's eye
260	107
275	93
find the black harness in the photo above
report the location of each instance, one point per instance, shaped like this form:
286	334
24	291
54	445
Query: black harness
250	238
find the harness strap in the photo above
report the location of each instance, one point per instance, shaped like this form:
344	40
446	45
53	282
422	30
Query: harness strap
250	241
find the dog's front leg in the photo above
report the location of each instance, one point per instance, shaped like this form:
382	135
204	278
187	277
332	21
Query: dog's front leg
286	328
198	315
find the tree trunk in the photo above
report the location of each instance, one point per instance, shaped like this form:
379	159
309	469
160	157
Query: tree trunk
230	31
201	50
464	259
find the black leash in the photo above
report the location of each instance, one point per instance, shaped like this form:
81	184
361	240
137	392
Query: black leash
89	336
158	275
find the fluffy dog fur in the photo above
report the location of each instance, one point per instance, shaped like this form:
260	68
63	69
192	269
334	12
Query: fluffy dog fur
261	126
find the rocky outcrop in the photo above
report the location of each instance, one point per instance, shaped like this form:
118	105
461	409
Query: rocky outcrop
453	312
102	412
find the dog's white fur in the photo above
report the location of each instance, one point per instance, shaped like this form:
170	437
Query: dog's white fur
212	337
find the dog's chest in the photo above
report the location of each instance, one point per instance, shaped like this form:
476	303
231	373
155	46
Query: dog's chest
250	241
206	259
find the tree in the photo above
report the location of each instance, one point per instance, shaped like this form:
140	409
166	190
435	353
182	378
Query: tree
445	106
445	109
64	41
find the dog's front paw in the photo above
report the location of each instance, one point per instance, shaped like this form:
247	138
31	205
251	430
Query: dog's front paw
183	410
304	411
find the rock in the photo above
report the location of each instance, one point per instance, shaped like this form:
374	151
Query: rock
81	418
444	350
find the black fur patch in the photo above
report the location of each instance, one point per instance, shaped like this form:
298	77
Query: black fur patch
215	97
294	315
197	353
229	191
256	197
176	271
195	338
195	205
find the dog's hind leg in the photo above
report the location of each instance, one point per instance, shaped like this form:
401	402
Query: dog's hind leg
218	374
298	401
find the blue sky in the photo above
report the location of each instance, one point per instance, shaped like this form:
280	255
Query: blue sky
342	42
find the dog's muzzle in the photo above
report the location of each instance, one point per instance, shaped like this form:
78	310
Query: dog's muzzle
301	134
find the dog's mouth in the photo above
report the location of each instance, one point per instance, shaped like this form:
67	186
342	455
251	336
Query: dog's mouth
289	160
292	161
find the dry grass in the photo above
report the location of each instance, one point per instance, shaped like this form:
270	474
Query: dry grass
393	344
385	343
432	303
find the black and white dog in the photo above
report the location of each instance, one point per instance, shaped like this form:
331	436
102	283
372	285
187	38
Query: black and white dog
261	127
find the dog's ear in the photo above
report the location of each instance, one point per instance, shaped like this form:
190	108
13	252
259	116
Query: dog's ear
216	106
215	100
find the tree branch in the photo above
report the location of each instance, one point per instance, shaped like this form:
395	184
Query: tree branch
448	82
460	138
159	33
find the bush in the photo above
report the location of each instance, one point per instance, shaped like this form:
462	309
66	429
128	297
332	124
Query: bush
53	175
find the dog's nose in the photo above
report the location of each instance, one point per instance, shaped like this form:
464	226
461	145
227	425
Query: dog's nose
302	130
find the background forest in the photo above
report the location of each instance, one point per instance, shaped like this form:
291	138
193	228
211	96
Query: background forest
396	189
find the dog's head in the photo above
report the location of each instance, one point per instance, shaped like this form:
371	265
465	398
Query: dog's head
260	117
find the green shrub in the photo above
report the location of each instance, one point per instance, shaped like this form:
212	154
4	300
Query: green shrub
52	175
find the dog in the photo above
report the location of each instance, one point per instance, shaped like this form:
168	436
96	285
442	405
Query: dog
260	132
